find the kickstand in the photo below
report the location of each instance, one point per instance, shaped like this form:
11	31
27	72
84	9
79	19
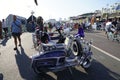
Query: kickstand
71	72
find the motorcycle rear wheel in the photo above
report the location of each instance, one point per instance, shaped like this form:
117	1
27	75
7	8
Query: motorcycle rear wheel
76	48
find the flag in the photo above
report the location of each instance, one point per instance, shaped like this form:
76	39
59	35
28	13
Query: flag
36	2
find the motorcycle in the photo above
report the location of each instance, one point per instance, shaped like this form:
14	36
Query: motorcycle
112	36
68	51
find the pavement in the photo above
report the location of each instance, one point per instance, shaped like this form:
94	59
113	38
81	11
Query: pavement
15	65
16	62
100	32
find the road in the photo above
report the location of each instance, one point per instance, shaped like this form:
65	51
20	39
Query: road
15	65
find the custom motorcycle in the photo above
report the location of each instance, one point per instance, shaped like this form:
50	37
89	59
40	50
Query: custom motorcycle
66	52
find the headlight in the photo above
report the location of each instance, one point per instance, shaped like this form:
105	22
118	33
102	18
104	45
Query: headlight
49	48
45	48
86	46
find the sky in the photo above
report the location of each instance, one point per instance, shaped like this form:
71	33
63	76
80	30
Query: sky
51	9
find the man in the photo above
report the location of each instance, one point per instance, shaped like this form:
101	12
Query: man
117	27
108	25
114	22
5	28
16	30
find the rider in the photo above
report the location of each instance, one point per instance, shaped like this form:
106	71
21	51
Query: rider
108	27
40	34
80	31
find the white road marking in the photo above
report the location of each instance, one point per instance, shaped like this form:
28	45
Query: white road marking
106	53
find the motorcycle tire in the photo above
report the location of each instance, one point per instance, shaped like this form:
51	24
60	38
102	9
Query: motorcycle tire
86	64
76	48
36	69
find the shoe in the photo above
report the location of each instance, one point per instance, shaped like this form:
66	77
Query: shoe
19	45
15	48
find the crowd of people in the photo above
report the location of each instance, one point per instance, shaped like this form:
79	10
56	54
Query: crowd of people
111	25
16	30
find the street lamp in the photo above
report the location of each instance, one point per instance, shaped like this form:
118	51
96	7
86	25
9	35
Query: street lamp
107	13
32	12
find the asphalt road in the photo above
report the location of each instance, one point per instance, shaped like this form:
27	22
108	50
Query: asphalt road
100	40
15	65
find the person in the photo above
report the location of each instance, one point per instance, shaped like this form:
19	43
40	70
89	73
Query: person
0	30
41	31
50	26
114	22
40	24
109	28
76	26
117	27
16	30
5	28
108	25
80	31
45	27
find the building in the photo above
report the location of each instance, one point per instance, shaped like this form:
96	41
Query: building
53	21
111	12
30	26
31	18
9	19
81	18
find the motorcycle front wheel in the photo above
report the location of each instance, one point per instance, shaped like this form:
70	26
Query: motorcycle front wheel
86	64
36	68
